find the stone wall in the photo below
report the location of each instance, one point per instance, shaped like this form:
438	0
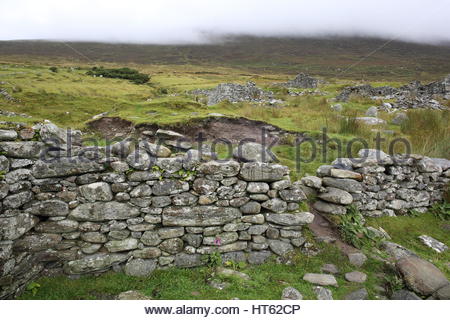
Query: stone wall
379	185
83	210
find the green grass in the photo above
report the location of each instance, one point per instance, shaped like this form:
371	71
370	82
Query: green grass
267	281
405	231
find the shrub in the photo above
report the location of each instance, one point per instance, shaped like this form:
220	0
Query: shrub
120	73
53	69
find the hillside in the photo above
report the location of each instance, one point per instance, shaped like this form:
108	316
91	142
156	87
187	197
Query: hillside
328	57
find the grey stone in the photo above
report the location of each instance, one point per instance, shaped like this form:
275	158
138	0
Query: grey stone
258	257
320	279
312	181
294	194
434	244
337	196
12	228
404	295
357	259
227	169
360	294
290	293
94	263
323	293
151	238
184	260
263	172
356	276
140	267
348	185
121	245
62	167
329	208
60	226
345	174
17	200
279	247
139	159
372	112
253	152
103	211
173	246
167	233
147	253
98	191
290	219
251	207
8	135
221	271
37	242
254	219
23	149
275	205
257	187
169	187
329	268
199	216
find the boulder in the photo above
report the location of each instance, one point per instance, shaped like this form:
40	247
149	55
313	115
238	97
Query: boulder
279	247
434	244
421	276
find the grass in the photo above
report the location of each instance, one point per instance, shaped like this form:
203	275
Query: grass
267	281
405	231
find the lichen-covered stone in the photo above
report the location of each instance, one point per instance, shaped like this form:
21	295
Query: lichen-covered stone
103	211
199	216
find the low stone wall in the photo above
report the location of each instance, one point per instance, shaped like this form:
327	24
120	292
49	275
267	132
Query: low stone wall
80	210
379	185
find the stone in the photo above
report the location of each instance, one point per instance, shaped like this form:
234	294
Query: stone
8	135
156	150
258	257
139	159
348	185
63	167
337	196
434	244
371	121
98	191
227	169
60	226
167	233
225	272
320	279
443	293
205	186
275	205
360	294
23	149
219	285
428	165
169	187
357	259
53	135
251	207
399	118
254	219
13	227
395	250
290	293
263	172
337	107
140	176
147	253
132	295
221	239
235	92
257	187
312	181
94	263
37	242
17	200
253	152
121	245
173	246
323	293
201	216
294	194
103	211
404	295
302	80
169	165
345	174
356	276
329	268
140	267
279	247
290	219
151	238
184	260
421	276
329	208
372	112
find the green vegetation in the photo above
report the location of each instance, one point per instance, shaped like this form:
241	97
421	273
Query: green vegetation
119	73
267	281
353	230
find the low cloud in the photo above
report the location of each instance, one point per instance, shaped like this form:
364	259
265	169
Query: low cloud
181	21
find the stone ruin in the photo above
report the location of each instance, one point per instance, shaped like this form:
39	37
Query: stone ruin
411	96
302	80
71	209
233	92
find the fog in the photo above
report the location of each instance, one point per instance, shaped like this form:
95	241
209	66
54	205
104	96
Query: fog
195	21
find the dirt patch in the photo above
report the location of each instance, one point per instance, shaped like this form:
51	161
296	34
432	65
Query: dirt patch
112	127
230	129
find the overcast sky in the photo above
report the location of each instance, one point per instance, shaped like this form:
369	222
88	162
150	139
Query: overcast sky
181	21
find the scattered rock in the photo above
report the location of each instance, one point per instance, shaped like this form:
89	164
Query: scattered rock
132	295
320	279
140	267
357	259
290	293
434	244
329	268
360	294
404	295
356	276
323	293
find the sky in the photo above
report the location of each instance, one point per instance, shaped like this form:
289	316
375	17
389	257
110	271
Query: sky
196	21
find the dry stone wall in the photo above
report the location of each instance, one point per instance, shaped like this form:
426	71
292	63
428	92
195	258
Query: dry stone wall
379	185
82	210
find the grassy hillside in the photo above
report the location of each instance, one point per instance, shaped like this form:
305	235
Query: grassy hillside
328	57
